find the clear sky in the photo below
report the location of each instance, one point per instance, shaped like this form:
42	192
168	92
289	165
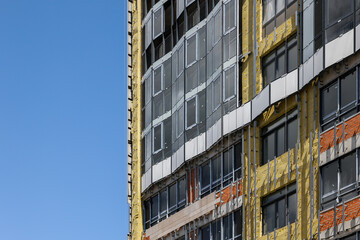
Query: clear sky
63	120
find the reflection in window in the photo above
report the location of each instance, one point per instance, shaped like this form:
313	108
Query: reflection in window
279	137
280	61
338	100
338	180
279	209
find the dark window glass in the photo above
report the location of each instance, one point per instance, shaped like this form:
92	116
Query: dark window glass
348	170
205	175
205	233
157	138
216	169
191	112
348	90
336	10
292	207
280	141
280	69
172	196
329	176
228	166
269	147
269	216
237	225
292	133
163	201
329	95
216	230
292	58
237	160
276	206
227	221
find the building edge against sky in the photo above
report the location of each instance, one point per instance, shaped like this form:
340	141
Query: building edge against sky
243	119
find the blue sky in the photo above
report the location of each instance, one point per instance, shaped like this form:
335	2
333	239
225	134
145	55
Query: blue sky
63	120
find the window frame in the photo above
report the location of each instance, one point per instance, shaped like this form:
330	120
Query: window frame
289	190
187	65
161	8
224	83
281	122
196	112
225	32
161	80
153	136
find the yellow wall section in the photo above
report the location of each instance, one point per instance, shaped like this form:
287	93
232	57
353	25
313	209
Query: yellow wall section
137	220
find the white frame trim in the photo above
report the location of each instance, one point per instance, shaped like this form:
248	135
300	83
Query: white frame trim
224	82
196	113
161	8
161	81
153	136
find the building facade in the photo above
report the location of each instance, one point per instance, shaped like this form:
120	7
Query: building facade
243	119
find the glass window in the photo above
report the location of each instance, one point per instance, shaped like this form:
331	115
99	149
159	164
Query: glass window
229	83
181	191
157	80
191	113
228	225
229	15
201	47
205	175
269	9
154	207
336	10
237	225
228	165
279	137
237	160
329	176
348	170
172	197
180	60
330	96
191	50
157	138
216	93
347	90
163	201
192	77
205	233
276	205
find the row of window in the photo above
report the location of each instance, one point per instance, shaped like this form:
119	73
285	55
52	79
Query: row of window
279	209
225	228
280	61
276	12
279	137
339	99
221	170
162	31
339	180
165	203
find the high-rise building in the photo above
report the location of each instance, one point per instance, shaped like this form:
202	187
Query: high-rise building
243	119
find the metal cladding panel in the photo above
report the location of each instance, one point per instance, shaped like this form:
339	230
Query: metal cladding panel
277	90
229	122
301	76
167	167
357	31
201	143
191	148
339	48
239	117
143	183
173	162
246	113
217	131
180	156
209	138
291	83
318	61
260	102
308	70
157	171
